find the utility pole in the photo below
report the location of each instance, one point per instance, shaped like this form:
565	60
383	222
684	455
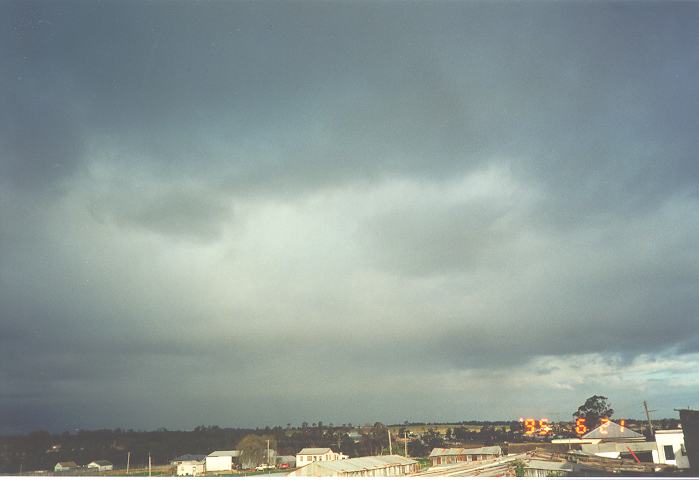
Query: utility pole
390	446
650	424
405	438
149	464
268	453
128	462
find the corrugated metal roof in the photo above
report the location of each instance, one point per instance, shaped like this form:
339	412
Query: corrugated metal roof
492	450
620	447
613	430
188	457
101	463
361	463
546	465
313	451
440	452
225	453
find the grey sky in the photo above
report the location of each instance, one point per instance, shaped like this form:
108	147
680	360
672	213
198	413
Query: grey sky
258	213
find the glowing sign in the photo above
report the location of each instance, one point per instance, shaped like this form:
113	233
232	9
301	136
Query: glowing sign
580	427
530	426
544	426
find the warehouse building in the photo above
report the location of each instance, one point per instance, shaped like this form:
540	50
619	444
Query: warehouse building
378	466
222	460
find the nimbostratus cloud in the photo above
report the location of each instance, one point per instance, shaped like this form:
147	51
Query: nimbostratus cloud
468	196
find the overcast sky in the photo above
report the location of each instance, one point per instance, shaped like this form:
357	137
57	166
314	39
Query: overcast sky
266	213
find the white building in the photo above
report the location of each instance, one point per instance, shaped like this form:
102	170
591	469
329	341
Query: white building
191	468
671	449
310	455
65	466
222	460
101	465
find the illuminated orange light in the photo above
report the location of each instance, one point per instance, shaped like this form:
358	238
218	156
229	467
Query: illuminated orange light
580	427
622	424
544	426
529	426
603	426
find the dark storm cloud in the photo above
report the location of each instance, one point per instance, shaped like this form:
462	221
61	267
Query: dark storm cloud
408	194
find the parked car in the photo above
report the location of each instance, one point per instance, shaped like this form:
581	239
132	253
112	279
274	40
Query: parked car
263	467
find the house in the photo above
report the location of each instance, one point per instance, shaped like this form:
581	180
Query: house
101	465
671	449
189	465
308	455
65	466
443	456
187	457
222	460
377	466
355	436
613	432
191	468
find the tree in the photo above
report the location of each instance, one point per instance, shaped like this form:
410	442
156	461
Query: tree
593	410
519	467
253	449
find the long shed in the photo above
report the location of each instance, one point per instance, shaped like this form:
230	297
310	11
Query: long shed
444	456
376	466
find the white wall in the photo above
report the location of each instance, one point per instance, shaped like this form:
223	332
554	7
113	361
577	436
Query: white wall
675	439
191	469
302	460
217	464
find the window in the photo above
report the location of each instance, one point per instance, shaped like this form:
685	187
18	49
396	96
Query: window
669	452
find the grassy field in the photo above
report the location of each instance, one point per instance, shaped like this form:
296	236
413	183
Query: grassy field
156	471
